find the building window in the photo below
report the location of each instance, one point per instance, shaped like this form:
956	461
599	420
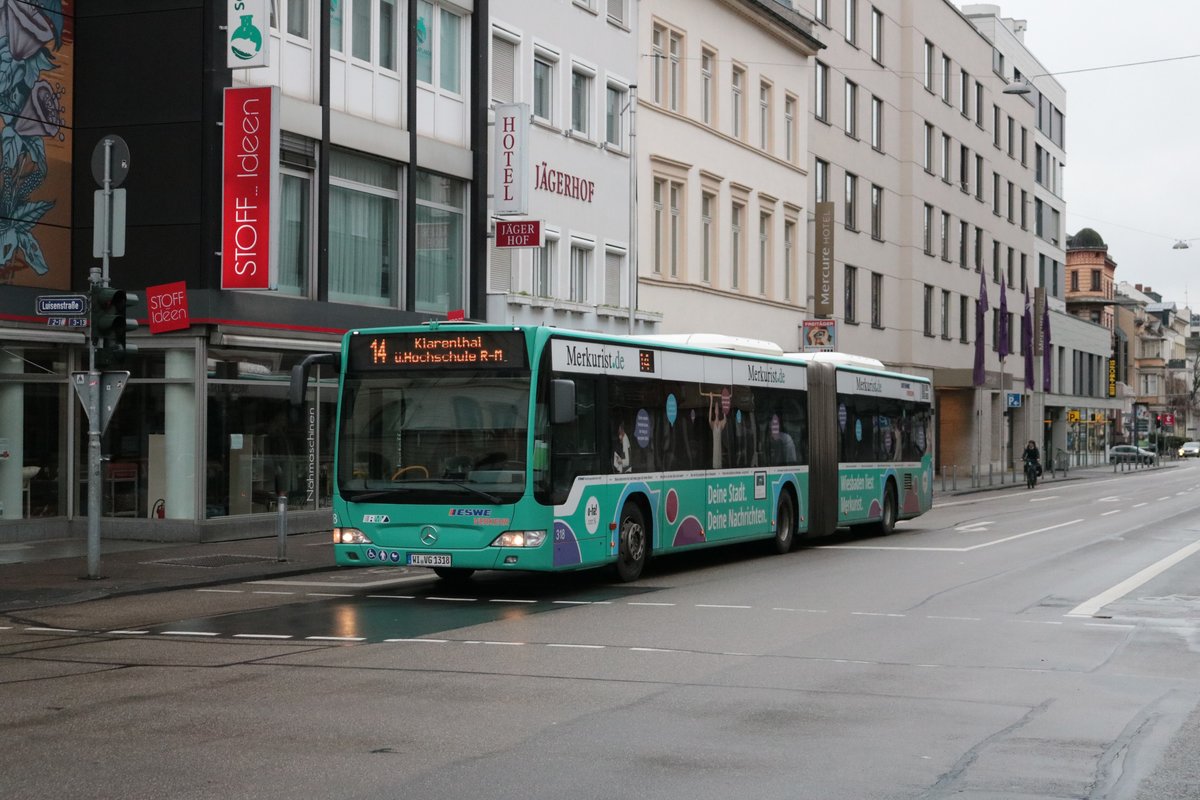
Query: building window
364	212
877	123
543	87
964	242
821	180
946	78
581	102
876	300
707	232
850	297
295	231
616	11
764	116
504	70
964	92
360	29
927	229
927	78
852	21
614	108
877	35
978	177
995	261
1012	139
545	264
764	251
1095	280
821	92
978	249
1011	201
441	52
738	102
297	18
674	71
979	104
964	168
927	160
736	256
876	212
964	312
676	198
658	58
789	255
995	125
928	310
660	189
441	271
614	268
945	313
708	86
945	231
996	193
1024	210
946	150
850	210
789	127
821	11
851	109
581	271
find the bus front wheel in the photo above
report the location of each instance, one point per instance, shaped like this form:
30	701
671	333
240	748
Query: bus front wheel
633	546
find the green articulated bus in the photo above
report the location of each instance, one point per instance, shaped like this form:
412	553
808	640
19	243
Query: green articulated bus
464	447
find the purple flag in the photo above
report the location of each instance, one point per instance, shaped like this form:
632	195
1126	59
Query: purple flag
1002	345
981	309
1027	341
1046	347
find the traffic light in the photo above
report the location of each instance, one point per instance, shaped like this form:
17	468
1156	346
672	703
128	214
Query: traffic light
110	322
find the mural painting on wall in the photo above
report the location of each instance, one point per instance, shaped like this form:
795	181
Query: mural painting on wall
36	78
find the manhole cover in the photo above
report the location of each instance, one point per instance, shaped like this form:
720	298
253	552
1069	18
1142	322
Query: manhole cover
211	562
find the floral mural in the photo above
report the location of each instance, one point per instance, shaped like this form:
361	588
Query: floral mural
36	45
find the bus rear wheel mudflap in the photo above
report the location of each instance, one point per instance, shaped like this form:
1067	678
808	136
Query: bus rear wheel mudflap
633	543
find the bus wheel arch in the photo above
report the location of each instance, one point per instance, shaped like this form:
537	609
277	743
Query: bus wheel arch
785	521
634	539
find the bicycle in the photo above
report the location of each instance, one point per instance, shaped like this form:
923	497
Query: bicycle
1031	473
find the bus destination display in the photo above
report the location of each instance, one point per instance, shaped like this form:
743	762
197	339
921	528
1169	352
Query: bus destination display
445	350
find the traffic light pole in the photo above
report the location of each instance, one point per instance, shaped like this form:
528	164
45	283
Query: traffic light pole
98	277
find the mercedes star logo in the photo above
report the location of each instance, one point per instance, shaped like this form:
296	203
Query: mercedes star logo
429	535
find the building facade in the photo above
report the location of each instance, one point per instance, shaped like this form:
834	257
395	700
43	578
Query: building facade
722	203
378	221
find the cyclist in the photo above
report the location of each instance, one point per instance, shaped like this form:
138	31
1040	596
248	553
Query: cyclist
1032	456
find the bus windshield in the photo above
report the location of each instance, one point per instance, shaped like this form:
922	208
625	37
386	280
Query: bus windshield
429	437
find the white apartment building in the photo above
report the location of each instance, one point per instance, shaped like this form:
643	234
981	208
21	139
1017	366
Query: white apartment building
933	172
1078	407
723	199
572	64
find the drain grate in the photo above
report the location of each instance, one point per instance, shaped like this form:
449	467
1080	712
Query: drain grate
211	562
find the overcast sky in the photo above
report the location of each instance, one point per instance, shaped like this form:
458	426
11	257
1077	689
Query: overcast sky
1133	133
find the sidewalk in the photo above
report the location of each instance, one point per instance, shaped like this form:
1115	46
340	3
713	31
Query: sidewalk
53	572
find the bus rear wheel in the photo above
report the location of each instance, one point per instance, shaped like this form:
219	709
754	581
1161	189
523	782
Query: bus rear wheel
785	524
633	544
887	522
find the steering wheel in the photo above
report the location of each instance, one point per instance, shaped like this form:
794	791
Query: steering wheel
400	473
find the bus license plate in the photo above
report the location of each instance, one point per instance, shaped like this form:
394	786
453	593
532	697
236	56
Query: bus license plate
429	559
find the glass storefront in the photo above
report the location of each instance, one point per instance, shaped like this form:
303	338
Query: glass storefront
200	433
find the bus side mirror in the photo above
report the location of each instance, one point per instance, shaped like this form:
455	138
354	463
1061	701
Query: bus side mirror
299	382
562	401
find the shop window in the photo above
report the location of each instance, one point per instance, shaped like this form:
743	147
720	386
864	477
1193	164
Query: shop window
441	243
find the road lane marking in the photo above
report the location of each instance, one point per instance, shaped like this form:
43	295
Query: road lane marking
326	594
944	549
1042	499
128	633
649	604
1090	607
873	614
51	630
190	633
394	596
975	527
340	585
714	605
1023	535
804	610
1108	513
1139	505
336	638
1159	500
424	641
580	646
959	619
265	591
455	599
262	636
499	600
222	591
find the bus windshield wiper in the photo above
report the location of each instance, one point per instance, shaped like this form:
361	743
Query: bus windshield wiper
491	498
400	491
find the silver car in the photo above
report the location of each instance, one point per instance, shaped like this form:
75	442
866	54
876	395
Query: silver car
1189	449
1129	453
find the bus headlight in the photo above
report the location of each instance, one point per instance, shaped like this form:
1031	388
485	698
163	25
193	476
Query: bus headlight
520	539
349	536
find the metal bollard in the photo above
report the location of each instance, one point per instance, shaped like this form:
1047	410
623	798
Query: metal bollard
281	529
991	473
943	477
954	478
